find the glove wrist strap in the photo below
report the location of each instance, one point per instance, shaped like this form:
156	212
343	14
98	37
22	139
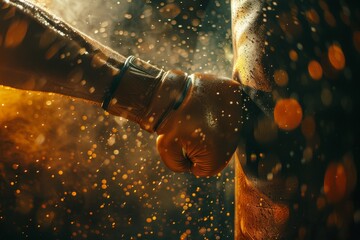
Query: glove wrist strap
109	95
144	93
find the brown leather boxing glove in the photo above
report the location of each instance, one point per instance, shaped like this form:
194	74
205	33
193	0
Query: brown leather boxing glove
203	133
197	117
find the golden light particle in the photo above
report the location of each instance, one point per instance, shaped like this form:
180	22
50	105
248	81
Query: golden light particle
336	57
170	10
195	22
287	114
315	70
98	60
293	55
281	77
73	194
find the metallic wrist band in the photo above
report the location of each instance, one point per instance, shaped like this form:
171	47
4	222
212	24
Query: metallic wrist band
115	83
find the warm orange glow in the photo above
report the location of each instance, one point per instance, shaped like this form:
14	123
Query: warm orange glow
315	70
335	182
312	16
16	33
293	55
308	127
8	97
336	57
281	77
288	114
170	10
251	212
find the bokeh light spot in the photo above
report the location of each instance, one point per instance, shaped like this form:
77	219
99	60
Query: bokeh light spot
315	70
312	16
288	114
170	10
336	57
281	77
293	55
335	182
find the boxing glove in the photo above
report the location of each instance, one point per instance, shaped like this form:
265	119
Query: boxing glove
197	117
203	133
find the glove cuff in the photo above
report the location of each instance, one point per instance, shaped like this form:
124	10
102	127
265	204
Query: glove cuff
146	94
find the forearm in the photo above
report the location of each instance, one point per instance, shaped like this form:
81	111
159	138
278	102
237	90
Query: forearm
39	52
42	53
198	114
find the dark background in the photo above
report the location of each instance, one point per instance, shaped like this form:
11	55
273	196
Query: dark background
70	171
